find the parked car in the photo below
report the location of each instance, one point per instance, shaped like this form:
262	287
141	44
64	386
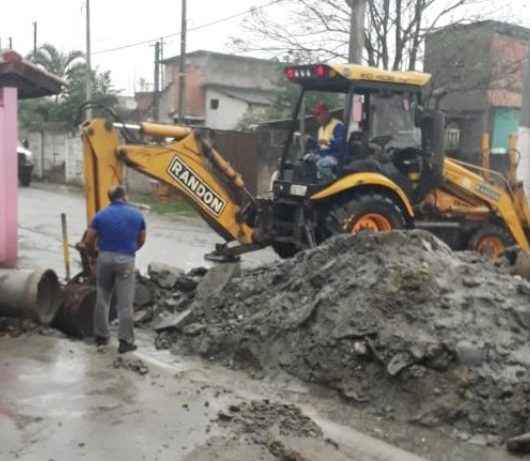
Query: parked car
25	163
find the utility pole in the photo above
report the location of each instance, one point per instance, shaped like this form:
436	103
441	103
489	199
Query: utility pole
10	43
156	85
182	67
88	62
358	13
523	145
34	40
162	73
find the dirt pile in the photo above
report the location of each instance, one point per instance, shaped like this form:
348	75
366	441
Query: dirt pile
395	322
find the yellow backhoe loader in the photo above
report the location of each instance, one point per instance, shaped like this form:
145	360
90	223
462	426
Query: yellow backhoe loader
392	173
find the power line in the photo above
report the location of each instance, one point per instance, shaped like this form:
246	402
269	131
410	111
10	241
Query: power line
192	29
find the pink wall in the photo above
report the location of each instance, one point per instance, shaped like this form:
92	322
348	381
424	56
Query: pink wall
8	177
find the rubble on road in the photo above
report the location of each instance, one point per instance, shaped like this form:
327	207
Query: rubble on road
164	295
397	323
136	365
265	423
15	327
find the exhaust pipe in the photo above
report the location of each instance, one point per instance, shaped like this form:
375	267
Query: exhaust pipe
30	294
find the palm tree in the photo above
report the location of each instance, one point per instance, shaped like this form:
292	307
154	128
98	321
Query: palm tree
57	62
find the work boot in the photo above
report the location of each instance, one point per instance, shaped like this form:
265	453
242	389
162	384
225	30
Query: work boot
101	341
126	347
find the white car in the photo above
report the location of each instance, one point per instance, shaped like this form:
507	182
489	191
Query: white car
25	164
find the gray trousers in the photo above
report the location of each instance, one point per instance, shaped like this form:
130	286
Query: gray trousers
115	273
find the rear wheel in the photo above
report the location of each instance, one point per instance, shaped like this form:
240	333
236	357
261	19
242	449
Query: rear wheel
371	211
25	178
492	241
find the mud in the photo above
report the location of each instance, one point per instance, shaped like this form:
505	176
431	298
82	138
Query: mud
266	423
15	327
398	324
134	365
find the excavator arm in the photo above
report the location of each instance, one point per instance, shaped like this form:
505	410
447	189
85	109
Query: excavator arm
186	163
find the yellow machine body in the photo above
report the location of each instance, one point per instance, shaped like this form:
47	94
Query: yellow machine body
374	180
185	164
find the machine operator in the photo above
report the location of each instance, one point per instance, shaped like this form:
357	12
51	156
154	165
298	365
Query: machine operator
331	139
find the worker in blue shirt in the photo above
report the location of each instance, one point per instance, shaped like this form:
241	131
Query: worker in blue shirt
331	139
118	231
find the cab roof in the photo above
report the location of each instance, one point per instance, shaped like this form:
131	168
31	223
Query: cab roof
339	77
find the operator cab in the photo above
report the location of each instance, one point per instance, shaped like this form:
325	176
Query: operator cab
386	130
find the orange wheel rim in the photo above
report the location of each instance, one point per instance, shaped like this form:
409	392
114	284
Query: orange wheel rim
372	222
491	246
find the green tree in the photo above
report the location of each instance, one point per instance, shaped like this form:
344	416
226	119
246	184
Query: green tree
57	62
65	108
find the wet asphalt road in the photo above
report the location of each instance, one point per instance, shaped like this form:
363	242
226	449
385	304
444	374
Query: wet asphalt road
178	241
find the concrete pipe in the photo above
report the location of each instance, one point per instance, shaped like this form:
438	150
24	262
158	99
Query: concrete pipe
34	294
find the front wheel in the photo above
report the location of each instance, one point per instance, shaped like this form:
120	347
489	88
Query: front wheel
369	211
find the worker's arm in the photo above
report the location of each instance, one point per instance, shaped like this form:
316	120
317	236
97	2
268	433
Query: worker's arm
142	235
89	241
141	239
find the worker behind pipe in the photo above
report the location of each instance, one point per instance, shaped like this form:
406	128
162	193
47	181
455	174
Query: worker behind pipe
331	139
119	231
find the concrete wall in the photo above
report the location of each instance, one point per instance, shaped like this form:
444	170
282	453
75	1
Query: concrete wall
460	62
205	68
49	148
227	115
480	66
58	155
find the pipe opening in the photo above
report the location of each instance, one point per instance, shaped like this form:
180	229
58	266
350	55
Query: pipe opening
49	296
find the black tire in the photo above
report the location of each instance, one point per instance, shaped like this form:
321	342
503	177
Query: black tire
345	216
494	232
285	250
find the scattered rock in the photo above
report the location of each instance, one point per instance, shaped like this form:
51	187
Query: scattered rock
163	275
172	321
216	280
261	415
186	284
198	272
520	444
136	365
144	292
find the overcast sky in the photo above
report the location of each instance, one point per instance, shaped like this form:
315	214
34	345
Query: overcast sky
122	22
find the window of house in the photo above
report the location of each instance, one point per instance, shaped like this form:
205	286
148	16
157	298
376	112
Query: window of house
214	104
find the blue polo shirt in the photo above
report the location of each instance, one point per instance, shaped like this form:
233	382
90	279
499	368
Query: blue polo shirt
118	227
